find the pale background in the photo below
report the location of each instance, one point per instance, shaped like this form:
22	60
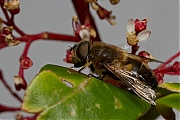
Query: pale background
55	16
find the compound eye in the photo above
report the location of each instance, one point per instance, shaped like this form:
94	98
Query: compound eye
82	50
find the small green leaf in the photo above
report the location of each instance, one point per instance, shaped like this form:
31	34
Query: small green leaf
152	114
161	92
174	87
165	111
171	100
84	98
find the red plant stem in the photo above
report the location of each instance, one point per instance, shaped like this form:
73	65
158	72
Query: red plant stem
21	72
8	87
169	60
134	49
81	7
8	109
164	70
82	10
45	36
12	17
62	37
18	30
49	36
10	22
26	48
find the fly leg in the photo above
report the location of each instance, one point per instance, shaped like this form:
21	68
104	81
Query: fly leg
91	75
86	65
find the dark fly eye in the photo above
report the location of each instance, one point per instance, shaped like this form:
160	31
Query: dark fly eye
82	50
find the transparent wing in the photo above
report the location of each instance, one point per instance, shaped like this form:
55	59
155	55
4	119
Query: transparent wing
149	59
125	47
132	80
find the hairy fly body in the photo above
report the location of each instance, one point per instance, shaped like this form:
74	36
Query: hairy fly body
106	60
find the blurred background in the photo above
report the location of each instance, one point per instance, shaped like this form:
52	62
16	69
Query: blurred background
38	16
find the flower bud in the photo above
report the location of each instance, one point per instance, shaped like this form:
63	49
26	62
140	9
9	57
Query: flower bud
159	77
144	54
68	58
176	67
15	11
140	25
103	13
19	83
26	63
11	5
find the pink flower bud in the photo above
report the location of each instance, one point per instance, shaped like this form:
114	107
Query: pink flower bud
140	25
176	67
159	77
26	63
144	54
68	58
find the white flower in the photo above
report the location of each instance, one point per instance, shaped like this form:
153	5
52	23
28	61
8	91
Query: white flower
143	35
84	34
132	38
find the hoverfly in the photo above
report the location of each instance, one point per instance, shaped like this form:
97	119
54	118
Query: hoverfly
106	60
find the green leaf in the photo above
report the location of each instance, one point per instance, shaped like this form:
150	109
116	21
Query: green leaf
165	111
152	114
84	98
171	100
161	92
174	87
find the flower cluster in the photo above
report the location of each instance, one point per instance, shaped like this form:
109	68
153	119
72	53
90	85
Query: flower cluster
83	32
102	12
12	6
137	32
167	68
6	36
